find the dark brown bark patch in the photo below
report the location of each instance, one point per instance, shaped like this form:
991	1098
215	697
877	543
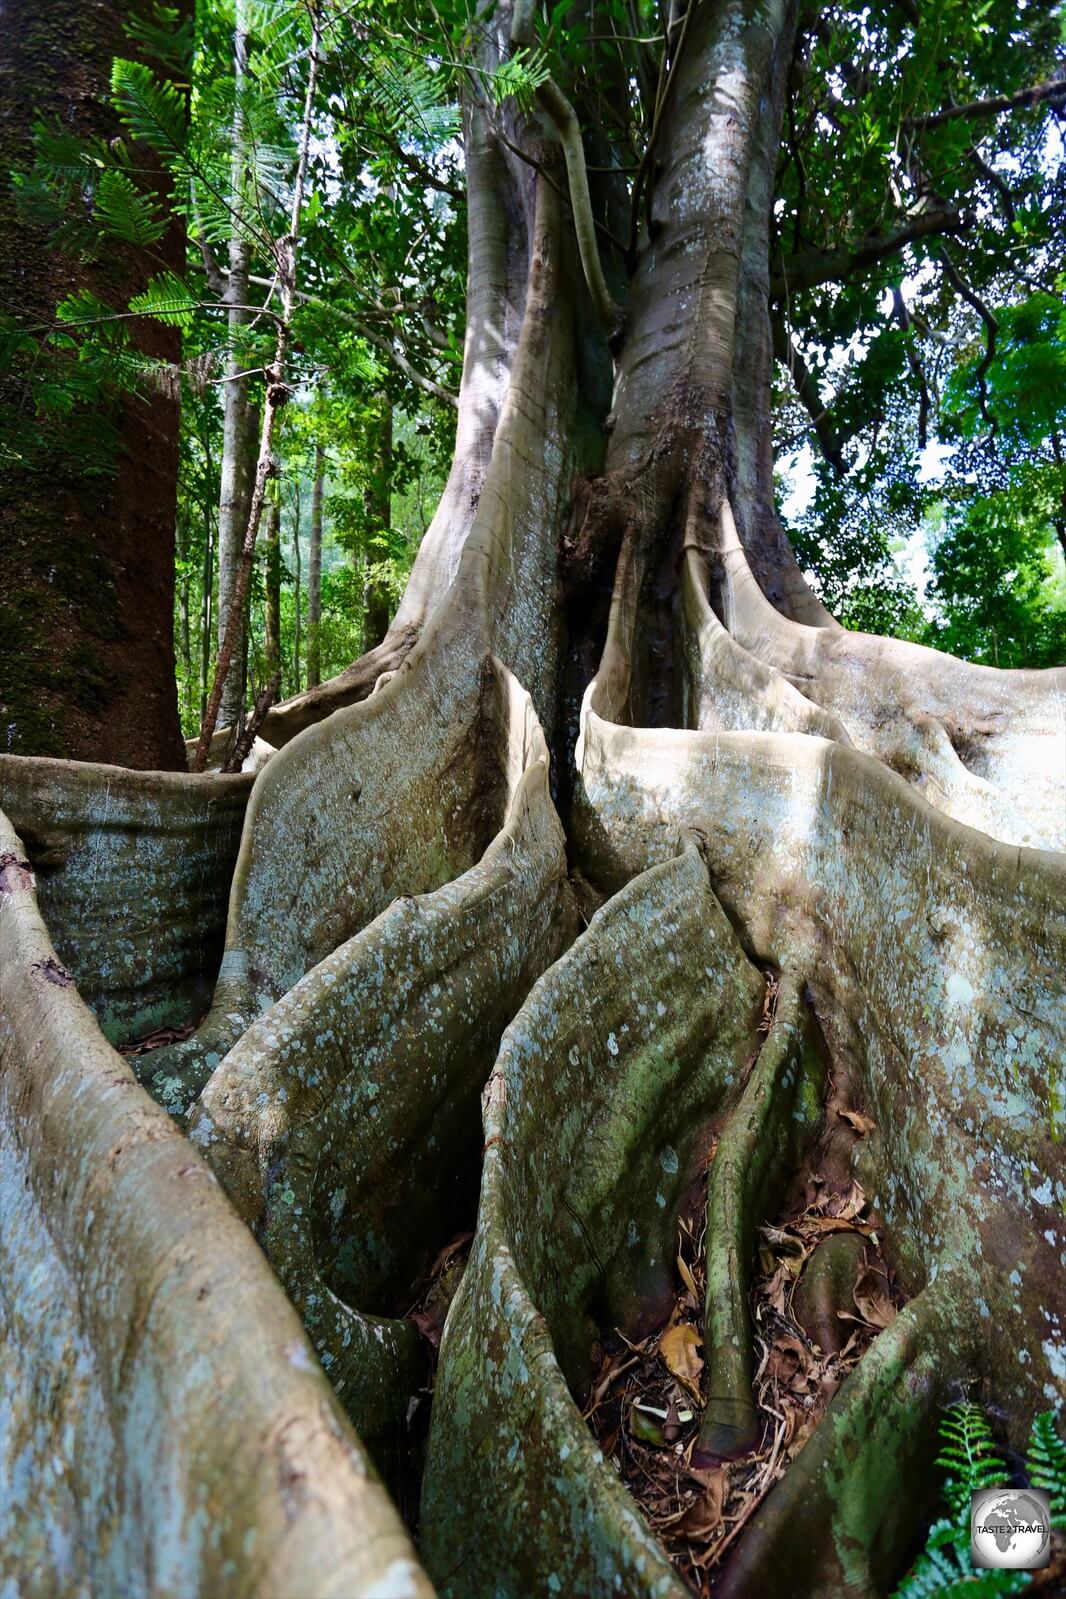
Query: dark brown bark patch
87	651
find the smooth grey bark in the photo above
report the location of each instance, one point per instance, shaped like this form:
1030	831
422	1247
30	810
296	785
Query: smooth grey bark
239	427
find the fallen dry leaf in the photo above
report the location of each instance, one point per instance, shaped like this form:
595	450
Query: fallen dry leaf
848	1204
702	1521
678	1347
688	1279
788	1363
779	1286
854	1118
872	1299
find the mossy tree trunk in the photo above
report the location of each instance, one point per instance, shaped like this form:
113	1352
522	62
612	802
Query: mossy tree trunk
749	794
87	503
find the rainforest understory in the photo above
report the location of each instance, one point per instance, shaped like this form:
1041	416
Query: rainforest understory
597	1084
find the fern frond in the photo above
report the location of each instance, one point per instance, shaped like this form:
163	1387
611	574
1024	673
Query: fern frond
14	341
167	299
164	35
271	22
519	77
1045	1462
126	212
64	159
151	108
85	307
969	1455
415	104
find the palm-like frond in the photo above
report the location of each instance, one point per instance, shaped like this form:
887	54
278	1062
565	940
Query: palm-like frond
126	212
153	109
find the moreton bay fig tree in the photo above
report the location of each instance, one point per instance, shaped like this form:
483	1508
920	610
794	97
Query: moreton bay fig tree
618	892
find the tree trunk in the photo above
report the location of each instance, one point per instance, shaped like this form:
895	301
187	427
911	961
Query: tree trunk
184	632
781	946
314	572
272	591
240	423
207	580
296	593
378	508
86	510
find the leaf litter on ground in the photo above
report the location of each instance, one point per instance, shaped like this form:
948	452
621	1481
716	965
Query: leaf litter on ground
645	1401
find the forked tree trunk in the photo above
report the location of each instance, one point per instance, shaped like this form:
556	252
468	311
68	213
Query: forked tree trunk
758	802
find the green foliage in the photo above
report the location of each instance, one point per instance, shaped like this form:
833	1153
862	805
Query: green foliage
168	299
519	77
414	100
998	582
382	275
151	108
971	1459
969	1456
1045	1461
128	214
164	36
922	364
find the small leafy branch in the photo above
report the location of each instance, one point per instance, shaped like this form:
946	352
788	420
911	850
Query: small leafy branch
972	1461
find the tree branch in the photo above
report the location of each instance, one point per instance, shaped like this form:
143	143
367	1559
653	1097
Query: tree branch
903	317
998	182
397	356
807	389
1053	89
973	299
416	377
792	273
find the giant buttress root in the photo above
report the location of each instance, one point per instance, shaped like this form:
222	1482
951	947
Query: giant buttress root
133	872
934	956
345	1123
167	1426
597	1120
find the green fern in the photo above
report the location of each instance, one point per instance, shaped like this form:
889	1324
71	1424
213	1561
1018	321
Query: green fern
415	102
168	299
151	108
164	35
84	307
126	212
969	1455
1045	1463
519	77
63	159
